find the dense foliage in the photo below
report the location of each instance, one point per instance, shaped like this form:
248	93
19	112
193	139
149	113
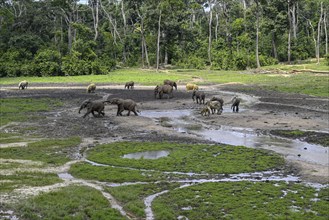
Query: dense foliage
72	37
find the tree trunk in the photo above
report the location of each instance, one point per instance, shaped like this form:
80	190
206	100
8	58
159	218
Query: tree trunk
124	30
115	32
257	34
274	50
94	6
209	32
325	30
289	33
158	42
217	26
319	33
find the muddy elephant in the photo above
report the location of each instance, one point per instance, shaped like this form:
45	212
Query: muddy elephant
129	85
205	111
93	106
125	104
163	89
190	86
235	104
23	85
199	96
171	83
214	98
215	106
91	88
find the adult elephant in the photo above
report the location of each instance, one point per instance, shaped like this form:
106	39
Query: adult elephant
23	85
125	104
170	82
163	89
93	106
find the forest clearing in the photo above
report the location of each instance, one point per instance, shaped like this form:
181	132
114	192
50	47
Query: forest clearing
269	160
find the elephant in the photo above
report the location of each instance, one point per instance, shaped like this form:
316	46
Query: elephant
236	102
91	88
171	83
199	96
125	104
93	106
214	98
163	89
129	85
23	85
215	106
205	111
190	86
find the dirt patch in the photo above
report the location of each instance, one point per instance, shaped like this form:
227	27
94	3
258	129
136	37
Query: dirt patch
259	109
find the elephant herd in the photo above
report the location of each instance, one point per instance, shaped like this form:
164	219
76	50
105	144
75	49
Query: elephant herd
212	106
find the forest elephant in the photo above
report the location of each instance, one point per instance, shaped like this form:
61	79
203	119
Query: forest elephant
23	85
93	106
214	98
91	88
215	106
129	85
171	83
163	89
190	86
125	104
199	96
205	111
235	104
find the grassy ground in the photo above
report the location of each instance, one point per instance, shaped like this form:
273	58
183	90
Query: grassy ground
304	83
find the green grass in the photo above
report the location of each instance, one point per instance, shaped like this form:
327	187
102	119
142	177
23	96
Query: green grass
304	83
23	109
51	151
131	197
69	203
212	159
23	179
243	200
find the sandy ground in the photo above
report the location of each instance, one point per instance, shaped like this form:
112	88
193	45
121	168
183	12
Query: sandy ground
260	110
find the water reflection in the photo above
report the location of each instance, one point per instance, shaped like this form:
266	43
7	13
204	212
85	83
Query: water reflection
292	149
152	155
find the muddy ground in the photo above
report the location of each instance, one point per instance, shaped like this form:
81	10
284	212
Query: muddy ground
261	110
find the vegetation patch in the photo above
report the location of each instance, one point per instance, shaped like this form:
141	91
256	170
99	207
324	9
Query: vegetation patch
22	109
243	200
52	151
131	197
212	159
72	202
308	136
23	179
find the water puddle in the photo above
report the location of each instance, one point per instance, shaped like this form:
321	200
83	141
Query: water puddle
152	155
291	149
65	176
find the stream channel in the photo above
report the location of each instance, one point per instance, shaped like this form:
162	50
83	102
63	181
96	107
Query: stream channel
183	121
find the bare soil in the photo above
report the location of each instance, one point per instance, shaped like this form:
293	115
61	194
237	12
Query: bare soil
263	110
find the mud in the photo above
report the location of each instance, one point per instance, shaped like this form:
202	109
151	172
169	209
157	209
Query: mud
261	110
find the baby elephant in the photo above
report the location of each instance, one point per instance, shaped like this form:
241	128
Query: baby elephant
23	85
199	96
93	106
205	111
215	106
91	88
214	98
171	83
236	102
129	85
125	104
163	89
190	86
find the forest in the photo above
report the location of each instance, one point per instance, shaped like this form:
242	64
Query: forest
91	37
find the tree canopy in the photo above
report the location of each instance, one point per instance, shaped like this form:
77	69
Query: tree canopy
67	37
